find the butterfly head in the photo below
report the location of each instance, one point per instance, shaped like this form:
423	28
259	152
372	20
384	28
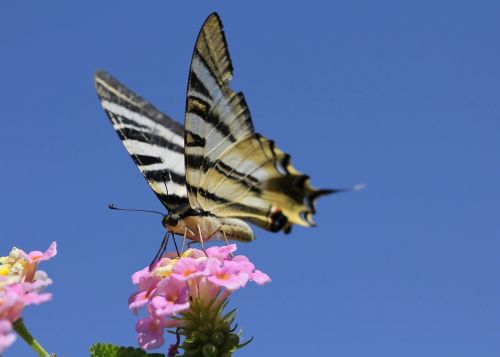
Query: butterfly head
170	220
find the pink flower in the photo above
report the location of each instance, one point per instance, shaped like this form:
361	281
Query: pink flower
175	283
21	266
7	338
172	297
137	277
13	299
33	258
255	275
146	283
140	298
227	275
37	256
188	268
21	285
150	331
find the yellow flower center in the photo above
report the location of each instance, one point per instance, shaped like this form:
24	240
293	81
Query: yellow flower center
222	276
188	272
172	298
4	270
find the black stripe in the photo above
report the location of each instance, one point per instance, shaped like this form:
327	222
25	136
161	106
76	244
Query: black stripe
193	139
236	205
192	190
240	178
144	160
171	201
226	168
203	163
145	137
148	111
197	161
217	77
144	108
119	119
195	212
210	117
196	84
164	176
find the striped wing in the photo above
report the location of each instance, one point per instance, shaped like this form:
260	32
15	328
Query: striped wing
230	170
154	141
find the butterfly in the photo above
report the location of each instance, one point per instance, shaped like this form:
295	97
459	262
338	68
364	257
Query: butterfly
215	174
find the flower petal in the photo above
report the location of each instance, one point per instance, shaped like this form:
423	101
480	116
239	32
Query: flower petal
150	333
7	337
221	253
260	278
37	256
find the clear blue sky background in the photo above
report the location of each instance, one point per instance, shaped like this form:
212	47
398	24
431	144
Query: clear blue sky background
404	97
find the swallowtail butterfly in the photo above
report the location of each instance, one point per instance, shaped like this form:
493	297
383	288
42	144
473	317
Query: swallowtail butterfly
216	172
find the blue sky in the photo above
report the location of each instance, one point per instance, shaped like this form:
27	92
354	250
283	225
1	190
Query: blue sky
403	96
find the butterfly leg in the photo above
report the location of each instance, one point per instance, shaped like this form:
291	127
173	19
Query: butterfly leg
184	240
226	240
201	238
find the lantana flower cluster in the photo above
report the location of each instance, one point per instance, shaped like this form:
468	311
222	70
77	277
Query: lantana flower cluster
20	285
189	293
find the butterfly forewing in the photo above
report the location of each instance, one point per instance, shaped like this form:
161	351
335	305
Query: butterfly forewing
154	141
230	170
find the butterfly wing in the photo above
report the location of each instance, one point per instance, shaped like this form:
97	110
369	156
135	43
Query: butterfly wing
231	171
154	141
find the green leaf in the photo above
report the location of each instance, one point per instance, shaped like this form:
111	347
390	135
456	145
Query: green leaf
241	345
110	350
229	317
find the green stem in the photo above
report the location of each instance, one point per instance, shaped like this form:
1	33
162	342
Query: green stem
22	331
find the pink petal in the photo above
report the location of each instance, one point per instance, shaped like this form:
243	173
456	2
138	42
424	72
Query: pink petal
240	258
171	297
165	307
260	278
194	253
221	253
233	282
188	268
150	333
244	264
41	281
139	275
213	265
12	306
228	275
37	256
137	300
36	298
7	337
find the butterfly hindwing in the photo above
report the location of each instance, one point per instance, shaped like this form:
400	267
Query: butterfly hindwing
154	141
231	171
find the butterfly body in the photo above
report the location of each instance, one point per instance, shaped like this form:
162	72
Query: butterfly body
216	173
201	226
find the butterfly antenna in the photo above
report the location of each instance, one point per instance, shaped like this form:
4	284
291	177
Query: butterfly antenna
354	188
112	206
